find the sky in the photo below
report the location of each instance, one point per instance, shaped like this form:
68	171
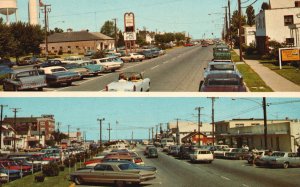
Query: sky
138	114
190	16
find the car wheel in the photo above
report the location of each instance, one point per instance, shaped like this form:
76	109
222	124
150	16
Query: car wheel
40	89
78	180
285	165
120	183
210	161
132	60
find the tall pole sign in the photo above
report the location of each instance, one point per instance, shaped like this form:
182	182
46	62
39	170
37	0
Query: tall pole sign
129	34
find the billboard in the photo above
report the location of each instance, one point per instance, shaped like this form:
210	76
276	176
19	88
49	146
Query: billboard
290	55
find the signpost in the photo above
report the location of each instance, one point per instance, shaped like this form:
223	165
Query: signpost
288	55
129	34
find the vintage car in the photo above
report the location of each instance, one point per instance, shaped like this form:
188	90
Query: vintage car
4	73
72	59
283	159
110	63
24	80
74	67
93	68
132	57
152	153
12	165
146	151
112	173
6	62
49	63
237	154
220	66
223	82
28	61
221	152
57	75
222	52
202	155
13	174
147	53
255	155
130	82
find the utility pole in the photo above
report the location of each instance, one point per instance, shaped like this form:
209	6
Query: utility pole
265	122
240	30
213	118
109	129
229	18
115	19
47	9
160	128
152	134
69	132
177	132
100	123
58	124
15	110
226	24
1	120
199	123
131	136
156	129
149	135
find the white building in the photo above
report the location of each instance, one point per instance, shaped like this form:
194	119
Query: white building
279	23
249	34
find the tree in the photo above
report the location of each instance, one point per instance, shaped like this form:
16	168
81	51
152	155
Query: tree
56	30
250	15
235	26
265	6
58	136
179	36
120	42
108	29
7	44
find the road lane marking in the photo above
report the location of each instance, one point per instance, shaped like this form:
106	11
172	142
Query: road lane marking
245	185
225	178
154	67
187	163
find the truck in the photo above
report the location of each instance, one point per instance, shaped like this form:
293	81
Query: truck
24	80
167	142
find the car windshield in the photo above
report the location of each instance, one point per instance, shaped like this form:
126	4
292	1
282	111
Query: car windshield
126	166
223	82
221	67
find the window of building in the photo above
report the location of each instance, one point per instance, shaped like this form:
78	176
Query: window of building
288	20
239	125
297	3
7	142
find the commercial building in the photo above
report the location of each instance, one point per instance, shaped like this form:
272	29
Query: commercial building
77	42
280	23
282	135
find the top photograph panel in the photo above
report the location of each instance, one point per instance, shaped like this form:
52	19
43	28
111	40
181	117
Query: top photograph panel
150	46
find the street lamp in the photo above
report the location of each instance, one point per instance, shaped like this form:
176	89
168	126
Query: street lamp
264	106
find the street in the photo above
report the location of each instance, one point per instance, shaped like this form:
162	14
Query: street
181	69
176	172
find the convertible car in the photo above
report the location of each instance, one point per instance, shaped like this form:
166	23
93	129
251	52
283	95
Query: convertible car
112	173
130	82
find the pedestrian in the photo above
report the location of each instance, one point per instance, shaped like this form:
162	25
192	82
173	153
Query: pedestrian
298	150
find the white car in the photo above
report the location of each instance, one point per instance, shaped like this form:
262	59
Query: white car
110	63
202	155
130	82
220	153
132	57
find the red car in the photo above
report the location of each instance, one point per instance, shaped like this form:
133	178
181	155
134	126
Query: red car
223	82
12	165
188	45
93	161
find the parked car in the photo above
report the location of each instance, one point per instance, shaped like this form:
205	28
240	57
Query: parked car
222	52
12	165
130	82
89	53
152	153
174	150
224	67
28	61
11	174
283	159
222	82
5	72
220	152
147	53
6	62
110	63
237	154
256	154
93	68
188	45
24	80
131	165
57	75
132	57
74	67
112	173
202	155
155	52
49	63
146	151
184	152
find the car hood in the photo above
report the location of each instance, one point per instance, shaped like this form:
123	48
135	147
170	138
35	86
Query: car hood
65	73
121	85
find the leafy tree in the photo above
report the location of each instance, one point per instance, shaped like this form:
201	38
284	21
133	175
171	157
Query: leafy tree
235	26
265	6
164	38
56	30
6	40
58	136
250	15
120	41
108	29
179	36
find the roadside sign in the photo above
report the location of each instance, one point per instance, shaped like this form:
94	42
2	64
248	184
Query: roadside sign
129	36
290	55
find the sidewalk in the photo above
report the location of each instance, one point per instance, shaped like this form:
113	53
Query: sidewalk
275	81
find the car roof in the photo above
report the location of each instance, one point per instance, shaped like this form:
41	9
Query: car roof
221	74
221	62
22	70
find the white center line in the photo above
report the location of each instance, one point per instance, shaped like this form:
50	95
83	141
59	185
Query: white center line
245	185
225	178
154	67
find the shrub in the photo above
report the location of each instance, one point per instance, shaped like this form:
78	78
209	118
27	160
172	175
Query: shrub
98	54
80	157
51	169
61	168
39	178
274	46
70	162
249	50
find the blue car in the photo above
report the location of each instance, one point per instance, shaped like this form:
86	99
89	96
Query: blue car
4	73
13	174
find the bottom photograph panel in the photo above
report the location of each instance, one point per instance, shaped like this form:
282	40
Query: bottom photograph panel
149	141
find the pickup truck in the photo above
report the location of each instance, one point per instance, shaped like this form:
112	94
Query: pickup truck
24	80
57	75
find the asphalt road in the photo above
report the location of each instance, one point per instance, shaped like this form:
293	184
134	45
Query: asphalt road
181	69
223	173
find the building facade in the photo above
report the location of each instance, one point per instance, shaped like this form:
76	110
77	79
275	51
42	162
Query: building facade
77	42
249	35
279	23
282	135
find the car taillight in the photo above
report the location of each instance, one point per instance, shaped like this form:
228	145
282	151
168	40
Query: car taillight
138	160
134	88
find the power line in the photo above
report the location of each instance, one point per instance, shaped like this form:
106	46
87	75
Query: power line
250	4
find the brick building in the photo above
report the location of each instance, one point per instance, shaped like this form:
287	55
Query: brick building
77	42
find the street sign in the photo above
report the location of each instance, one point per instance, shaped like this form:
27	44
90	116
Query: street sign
129	36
